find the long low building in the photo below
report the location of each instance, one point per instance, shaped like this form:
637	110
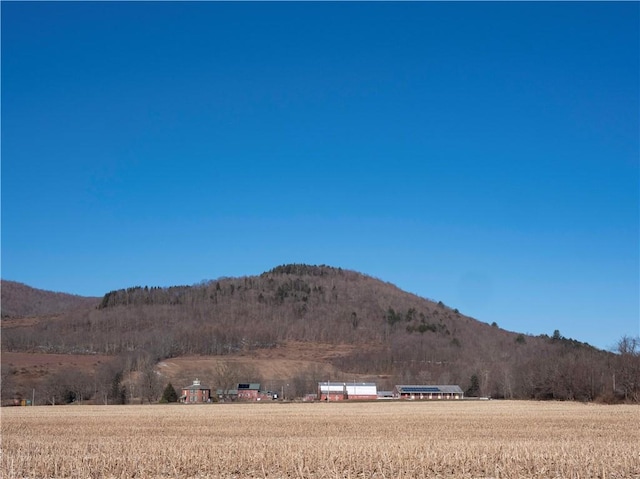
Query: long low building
427	392
337	391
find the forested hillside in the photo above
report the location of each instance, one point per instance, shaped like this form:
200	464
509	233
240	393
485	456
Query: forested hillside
20	300
403	337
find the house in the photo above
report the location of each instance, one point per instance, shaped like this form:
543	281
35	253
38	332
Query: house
336	391
195	394
427	392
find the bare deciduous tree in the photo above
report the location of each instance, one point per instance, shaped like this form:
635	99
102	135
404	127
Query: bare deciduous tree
627	374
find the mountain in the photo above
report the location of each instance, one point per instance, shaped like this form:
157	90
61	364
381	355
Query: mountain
358	326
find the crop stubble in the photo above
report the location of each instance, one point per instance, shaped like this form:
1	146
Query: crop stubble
348	440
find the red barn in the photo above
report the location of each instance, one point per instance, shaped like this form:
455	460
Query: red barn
249	392
328	391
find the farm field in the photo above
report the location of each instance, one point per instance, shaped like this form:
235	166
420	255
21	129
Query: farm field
474	439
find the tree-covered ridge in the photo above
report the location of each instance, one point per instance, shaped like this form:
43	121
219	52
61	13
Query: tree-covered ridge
138	295
174	295
306	269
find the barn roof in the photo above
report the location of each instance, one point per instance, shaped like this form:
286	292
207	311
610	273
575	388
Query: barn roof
249	387
331	387
228	392
428	389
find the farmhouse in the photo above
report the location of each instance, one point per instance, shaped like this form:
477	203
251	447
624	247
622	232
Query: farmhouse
336	391
196	393
428	392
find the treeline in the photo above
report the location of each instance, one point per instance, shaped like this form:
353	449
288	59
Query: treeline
122	379
408	339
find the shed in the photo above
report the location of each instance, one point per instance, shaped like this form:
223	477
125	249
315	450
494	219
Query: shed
385	394
224	394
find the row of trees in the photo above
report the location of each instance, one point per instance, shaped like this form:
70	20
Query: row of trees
134	378
120	379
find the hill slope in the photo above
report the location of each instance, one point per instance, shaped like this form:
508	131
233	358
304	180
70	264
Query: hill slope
389	333
19	301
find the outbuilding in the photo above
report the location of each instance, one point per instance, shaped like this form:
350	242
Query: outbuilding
427	392
248	392
338	391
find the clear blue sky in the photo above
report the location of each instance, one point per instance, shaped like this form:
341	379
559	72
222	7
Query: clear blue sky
481	154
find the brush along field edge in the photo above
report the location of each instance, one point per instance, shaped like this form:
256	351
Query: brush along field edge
335	440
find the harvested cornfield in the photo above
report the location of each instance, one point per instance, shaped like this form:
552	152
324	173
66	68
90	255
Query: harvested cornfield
479	439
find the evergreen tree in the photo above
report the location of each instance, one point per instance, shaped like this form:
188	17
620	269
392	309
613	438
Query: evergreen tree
474	387
169	394
118	392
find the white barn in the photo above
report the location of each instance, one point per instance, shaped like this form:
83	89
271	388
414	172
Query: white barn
338	391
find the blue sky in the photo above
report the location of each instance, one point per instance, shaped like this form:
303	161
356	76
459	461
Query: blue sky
480	154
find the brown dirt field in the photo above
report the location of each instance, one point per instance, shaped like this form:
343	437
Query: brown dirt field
39	364
270	364
24	371
52	361
307	351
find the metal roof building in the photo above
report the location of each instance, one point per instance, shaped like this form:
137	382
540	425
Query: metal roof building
428	392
